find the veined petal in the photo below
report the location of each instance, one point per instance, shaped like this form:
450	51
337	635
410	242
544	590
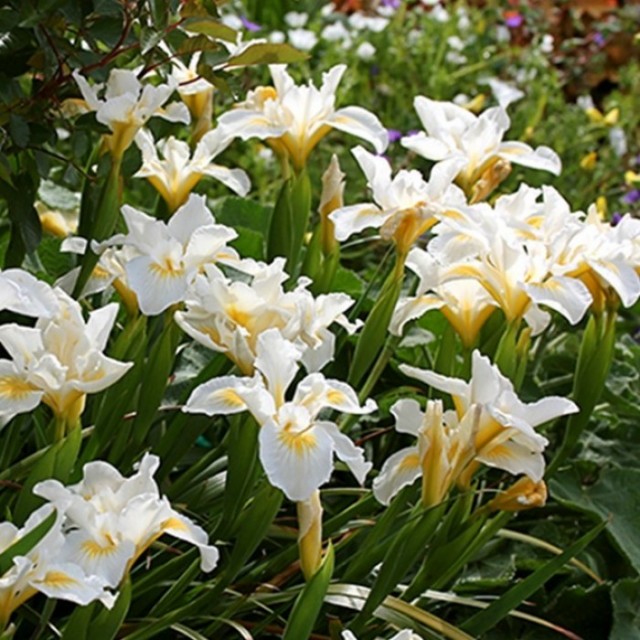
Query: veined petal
409	309
515	458
347	451
355	218
235	179
175	112
361	123
220	396
100	372
398	471
157	285
100	324
67	581
567	296
621	277
296	461
541	158
277	361
23	293
408	415
190	217
104	556
180	527
428	147
549	408
453	386
16	394
21	343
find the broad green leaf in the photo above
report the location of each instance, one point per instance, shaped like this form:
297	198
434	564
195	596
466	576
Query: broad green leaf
489	617
19	131
242	212
267	54
615	497
197	43
309	603
626	610
26	543
210	27
57	463
107	623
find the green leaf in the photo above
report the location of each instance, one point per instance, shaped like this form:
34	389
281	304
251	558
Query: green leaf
210	27
197	43
348	282
626	610
267	53
159	13
616	495
242	451
26	543
26	230
249	244
19	131
150	37
253	525
487	619
57	463
242	212
309	603
107	623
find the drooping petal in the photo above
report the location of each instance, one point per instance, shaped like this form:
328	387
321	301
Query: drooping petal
296	461
567	296
361	123
399	470
347	451
157	285
408	415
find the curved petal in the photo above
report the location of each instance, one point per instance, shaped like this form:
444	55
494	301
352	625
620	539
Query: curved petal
408	415
296	462
542	157
398	471
361	123
157	286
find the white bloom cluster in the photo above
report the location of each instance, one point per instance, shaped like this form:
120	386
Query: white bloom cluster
60	360
100	527
296	447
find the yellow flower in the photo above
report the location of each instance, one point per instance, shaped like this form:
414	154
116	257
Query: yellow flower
588	162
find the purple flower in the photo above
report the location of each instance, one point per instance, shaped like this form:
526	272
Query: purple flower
394	135
394	4
599	39
615	218
632	197
412	132
513	19
248	25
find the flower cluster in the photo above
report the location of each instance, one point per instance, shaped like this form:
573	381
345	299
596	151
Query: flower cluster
101	526
490	425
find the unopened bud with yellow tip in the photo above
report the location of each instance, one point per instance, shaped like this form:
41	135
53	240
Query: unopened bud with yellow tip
330	200
310	534
521	495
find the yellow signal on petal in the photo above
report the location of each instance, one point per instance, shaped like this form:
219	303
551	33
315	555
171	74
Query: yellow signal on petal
15	388
299	442
96	550
58	579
